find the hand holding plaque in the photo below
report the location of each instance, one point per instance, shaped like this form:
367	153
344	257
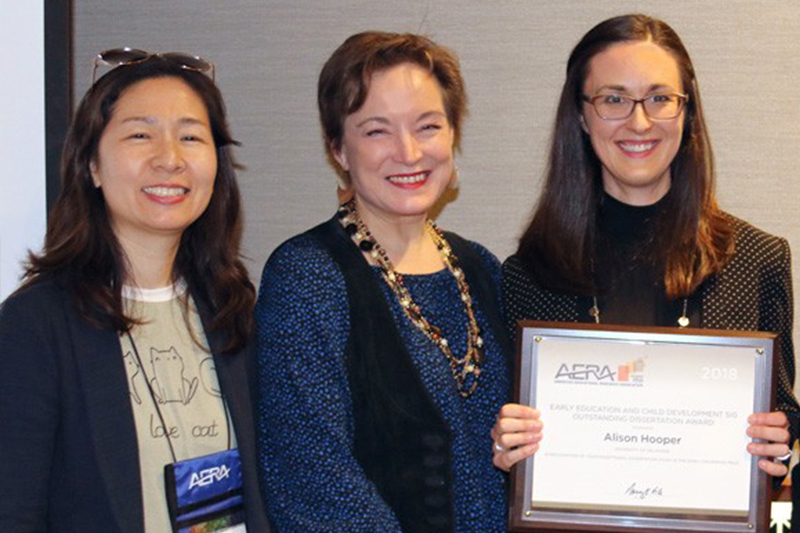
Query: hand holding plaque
647	428
515	435
518	430
773	429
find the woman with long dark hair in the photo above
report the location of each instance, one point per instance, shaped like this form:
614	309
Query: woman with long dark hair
628	231
124	355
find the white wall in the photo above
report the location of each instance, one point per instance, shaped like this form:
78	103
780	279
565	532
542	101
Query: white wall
22	136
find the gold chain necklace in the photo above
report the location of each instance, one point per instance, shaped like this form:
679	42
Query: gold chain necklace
466	370
594	310
683	320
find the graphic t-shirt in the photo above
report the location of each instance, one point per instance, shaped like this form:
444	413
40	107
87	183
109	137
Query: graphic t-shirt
183	387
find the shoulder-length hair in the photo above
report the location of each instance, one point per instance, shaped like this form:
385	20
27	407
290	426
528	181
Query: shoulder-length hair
345	78
81	248
693	239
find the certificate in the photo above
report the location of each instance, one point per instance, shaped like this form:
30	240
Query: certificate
644	429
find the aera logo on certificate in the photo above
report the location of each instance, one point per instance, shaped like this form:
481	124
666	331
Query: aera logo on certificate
629	374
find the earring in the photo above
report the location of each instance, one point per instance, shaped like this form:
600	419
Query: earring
455	179
584	127
341	182
93	174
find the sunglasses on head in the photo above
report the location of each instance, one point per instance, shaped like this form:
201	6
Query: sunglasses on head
120	57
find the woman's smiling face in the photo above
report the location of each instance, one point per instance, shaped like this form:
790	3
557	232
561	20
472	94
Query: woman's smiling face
398	147
156	161
636	152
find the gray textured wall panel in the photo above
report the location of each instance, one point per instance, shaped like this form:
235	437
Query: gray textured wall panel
513	55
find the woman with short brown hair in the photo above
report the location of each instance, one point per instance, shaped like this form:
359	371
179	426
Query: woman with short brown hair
382	352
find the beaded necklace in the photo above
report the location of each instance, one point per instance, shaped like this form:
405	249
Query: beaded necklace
466	370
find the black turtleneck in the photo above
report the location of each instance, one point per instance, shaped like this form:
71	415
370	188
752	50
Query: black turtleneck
630	280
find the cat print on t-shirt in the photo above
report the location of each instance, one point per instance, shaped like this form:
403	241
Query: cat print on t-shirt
167	377
136	380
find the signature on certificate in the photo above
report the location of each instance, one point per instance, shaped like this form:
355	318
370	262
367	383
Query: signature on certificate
642	493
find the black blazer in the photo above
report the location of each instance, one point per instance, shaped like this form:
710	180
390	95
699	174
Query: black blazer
753	292
68	450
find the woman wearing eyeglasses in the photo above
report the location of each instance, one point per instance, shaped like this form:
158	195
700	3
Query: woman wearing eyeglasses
628	231
125	355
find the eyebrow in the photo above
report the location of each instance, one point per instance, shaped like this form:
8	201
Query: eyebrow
381	120
622	88
430	114
190	121
384	120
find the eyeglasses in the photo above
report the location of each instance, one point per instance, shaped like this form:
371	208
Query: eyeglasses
117	57
620	107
